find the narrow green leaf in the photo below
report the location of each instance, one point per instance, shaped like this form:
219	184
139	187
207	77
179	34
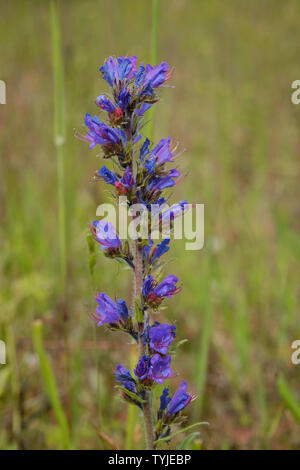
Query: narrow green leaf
188	440
138	311
288	398
180	343
50	383
132	395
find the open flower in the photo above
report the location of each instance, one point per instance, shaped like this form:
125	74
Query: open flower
162	153
100	133
161	337
160	368
180	399
108	176
105	234
176	210
158	183
116	70
154	293
109	311
148	78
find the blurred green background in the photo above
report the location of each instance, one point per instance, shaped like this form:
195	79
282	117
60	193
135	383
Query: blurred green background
231	109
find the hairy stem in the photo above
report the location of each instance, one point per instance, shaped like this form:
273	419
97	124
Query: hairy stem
138	284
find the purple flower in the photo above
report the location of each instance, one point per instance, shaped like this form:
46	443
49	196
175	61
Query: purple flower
142	367
141	109
152	77
180	399
115	70
154	293
160	368
124	99
123	309
109	311
101	134
104	233
167	288
144	150
124	376
162	153
126	183
108	176
150	165
158	183
160	249
105	104
164	399
157	251
174	211
128	179
148	286
161	337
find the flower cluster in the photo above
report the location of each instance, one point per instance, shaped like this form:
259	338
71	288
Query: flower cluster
142	172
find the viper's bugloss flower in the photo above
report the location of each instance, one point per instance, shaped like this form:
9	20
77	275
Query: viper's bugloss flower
101	134
144	150
109	311
164	399
128	179
157	251
124	377
108	176
122	186
176	210
124	98
104	103
154	293
116	70
163	153
161	337
142	367
167	288
160	368
158	183
126	183
122	306
152	77
141	109
105	234
180	399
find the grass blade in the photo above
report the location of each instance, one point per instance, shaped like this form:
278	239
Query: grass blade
188	440
50	383
288	398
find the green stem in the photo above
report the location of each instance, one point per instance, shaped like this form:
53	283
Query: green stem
138	284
